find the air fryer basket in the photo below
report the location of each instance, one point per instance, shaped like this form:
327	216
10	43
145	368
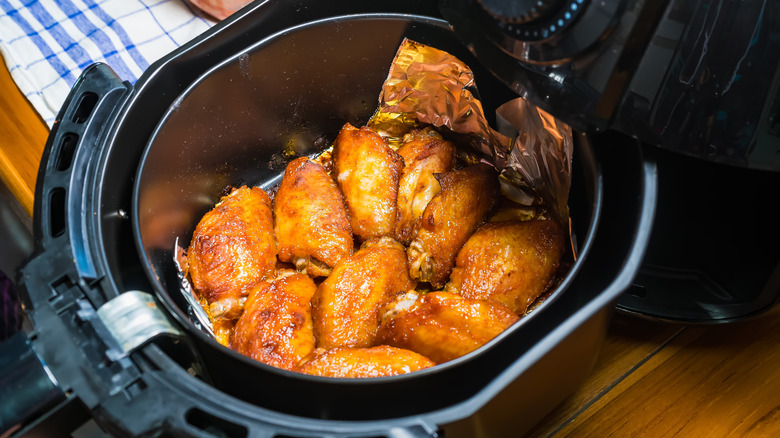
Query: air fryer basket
226	128
237	124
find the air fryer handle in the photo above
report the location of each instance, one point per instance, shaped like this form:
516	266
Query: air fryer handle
27	388
73	143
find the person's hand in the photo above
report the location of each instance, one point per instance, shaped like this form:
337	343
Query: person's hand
220	9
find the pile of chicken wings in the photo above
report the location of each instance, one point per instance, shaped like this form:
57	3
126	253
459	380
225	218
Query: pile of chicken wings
375	261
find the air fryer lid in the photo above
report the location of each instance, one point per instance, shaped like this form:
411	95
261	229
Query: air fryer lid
240	123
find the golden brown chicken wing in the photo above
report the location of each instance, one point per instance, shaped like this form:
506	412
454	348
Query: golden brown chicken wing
465	198
364	362
367	171
346	305
443	326
311	222
276	326
512	262
425	154
232	248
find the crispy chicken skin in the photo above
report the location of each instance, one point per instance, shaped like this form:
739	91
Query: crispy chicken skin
367	171
465	198
232	248
223	330
443	326
347	304
311	222
364	362
425	154
276	326
512	262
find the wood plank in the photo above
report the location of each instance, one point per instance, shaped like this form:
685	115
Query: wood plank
23	135
629	342
715	381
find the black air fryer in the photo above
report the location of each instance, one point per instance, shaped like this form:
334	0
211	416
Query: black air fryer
129	169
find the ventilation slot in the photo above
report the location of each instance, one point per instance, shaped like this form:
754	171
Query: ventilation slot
57	212
215	426
67	149
87	102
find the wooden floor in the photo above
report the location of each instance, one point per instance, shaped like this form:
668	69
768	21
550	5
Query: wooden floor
651	380
22	138
658	380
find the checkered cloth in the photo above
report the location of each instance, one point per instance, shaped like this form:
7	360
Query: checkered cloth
47	43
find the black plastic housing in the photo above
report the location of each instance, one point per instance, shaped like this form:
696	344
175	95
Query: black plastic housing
701	78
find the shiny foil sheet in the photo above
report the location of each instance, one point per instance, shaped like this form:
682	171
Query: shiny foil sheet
531	149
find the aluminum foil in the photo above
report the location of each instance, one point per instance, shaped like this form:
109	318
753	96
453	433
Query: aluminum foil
530	148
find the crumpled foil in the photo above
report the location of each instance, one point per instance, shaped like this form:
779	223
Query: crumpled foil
195	311
530	148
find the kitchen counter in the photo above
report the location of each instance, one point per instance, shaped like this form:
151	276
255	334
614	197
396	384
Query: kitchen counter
651	379
23	135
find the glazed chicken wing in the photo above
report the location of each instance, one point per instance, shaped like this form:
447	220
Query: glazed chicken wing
512	262
364	362
425	154
232	248
311	222
465	198
443	326
346	305
367	171
276	326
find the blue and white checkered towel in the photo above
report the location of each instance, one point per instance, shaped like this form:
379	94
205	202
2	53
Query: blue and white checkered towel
47	43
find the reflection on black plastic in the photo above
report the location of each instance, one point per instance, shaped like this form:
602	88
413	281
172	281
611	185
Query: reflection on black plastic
87	103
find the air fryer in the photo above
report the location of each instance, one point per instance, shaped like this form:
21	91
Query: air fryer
129	168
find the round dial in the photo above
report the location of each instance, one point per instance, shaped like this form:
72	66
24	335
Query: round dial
532	20
521	11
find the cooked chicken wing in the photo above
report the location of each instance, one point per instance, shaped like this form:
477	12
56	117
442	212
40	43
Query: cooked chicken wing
232	248
465	198
346	305
364	362
512	262
276	326
425	154
367	171
443	326
311	222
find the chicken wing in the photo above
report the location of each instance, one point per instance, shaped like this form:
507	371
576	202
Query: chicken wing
364	362
425	154
232	248
276	326
311	222
347	303
367	171
512	262
443	326
465	198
